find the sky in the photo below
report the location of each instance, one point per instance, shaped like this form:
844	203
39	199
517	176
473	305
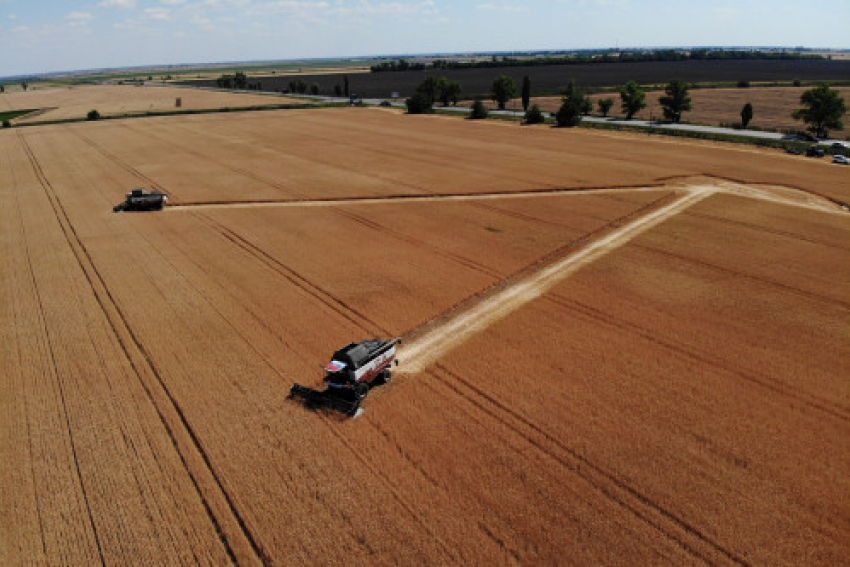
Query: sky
38	36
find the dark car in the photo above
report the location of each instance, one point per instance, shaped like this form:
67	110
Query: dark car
815	151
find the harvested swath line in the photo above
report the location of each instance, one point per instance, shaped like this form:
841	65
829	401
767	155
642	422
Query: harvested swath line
454	328
401	198
146	367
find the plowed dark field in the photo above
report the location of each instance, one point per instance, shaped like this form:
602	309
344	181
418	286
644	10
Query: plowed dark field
548	79
614	352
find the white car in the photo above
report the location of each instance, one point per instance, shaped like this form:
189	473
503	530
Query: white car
843	160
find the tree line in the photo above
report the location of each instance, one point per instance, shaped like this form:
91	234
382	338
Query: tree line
823	108
592	58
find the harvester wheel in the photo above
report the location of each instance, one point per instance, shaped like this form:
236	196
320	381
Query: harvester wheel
386	376
360	390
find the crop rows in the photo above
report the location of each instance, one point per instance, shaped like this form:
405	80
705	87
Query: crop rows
664	403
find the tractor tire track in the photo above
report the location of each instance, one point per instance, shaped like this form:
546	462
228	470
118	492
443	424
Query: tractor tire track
265	259
642	507
396	495
732	272
766	230
174	421
326	298
691	353
56	373
236	169
311	159
419	243
25	398
124	165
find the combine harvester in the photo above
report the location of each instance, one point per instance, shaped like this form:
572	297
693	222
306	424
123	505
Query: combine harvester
352	372
141	200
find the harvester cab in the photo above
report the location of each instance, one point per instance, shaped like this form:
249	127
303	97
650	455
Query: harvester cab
141	200
352	371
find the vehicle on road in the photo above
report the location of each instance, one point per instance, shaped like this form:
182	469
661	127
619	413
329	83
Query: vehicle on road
840	145
815	151
794	151
842	160
353	370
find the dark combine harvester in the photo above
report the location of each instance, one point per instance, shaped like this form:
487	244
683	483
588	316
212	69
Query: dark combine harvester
141	200
352	372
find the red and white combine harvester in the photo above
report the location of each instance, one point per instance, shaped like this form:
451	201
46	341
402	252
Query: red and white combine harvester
351	373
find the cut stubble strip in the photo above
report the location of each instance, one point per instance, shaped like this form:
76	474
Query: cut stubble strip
468	320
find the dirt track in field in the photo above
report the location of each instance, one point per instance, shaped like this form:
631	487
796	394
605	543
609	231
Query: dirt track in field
455	328
654	375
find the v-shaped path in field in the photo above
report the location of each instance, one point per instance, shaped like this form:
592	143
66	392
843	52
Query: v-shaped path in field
430	342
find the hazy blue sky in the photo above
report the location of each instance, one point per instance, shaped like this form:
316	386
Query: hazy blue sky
53	35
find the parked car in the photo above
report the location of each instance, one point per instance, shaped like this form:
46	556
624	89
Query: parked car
815	151
843	160
794	151
840	145
803	137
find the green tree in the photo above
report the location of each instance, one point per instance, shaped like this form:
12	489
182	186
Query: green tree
314	88
337	90
345	85
24	86
7	124
419	103
2	89
478	110
823	110
746	114
503	90
526	93
605	105
534	115
454	92
675	100
448	91
569	114
429	88
633	99
93	115
240	81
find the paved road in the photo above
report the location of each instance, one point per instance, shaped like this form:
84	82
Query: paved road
618	121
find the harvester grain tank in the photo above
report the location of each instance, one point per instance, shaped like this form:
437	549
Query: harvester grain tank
353	370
